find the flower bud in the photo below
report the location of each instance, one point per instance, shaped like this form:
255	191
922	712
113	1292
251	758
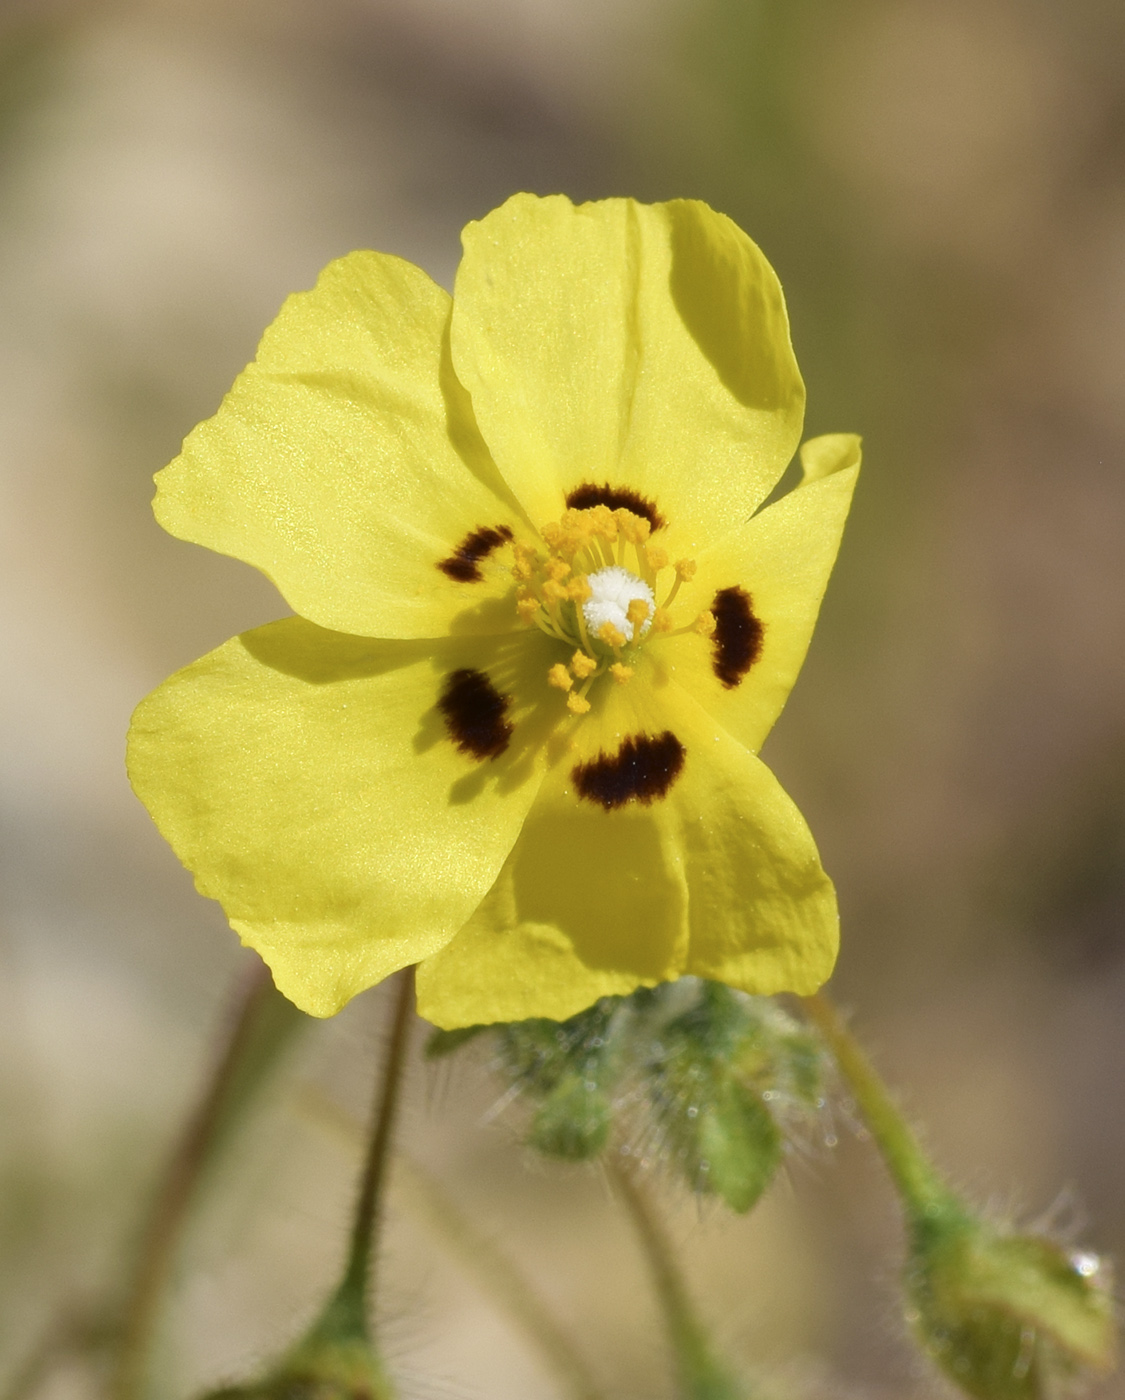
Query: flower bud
729	1144
1007	1316
573	1121
713	1076
710	1074
443	1043
567	1068
334	1370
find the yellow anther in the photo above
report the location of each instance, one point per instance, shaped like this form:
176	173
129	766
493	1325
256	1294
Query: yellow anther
559	677
637	613
577	704
704	624
553	588
685	569
621	673
572	532
603	522
524	565
573	535
634	528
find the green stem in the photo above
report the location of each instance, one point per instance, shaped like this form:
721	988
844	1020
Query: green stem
426	1197
502	1278
920	1185
72	1334
702	1375
346	1314
189	1157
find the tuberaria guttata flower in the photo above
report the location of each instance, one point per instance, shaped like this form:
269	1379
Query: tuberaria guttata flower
543	625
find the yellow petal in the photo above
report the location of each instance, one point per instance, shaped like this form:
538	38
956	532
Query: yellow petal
645	346
720	877
587	905
763	912
825	456
345	462
782	558
310	784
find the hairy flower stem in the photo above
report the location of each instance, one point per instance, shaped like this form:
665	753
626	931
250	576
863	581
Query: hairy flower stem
920	1185
345	1317
424	1196
702	1376
75	1332
177	1189
1006	1314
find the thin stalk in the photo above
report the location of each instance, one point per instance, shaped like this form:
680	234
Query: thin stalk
917	1180
427	1198
346	1315
173	1200
502	1278
702	1376
51	1348
70	1335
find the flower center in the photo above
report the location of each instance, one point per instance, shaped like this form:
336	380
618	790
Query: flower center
612	590
581	592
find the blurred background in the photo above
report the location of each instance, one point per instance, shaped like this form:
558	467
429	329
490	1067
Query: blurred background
941	187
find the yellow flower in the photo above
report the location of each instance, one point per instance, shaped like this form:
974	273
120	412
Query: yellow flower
507	737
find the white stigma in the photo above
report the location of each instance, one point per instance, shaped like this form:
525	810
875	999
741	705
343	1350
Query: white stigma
611	592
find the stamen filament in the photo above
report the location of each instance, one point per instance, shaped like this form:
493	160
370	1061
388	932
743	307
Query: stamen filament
545	624
667	603
555	591
582	630
576	701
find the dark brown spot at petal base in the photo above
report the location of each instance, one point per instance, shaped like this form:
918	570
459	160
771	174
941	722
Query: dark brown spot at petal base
464	563
476	714
738	635
642	770
617	498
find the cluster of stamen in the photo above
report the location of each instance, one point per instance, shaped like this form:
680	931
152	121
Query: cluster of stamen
589	554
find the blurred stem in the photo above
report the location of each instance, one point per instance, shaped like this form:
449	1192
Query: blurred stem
702	1376
345	1317
71	1334
921	1187
174	1196
429	1200
506	1283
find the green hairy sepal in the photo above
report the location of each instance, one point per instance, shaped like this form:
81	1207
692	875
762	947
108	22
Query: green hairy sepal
701	1078
1007	1316
341	1370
